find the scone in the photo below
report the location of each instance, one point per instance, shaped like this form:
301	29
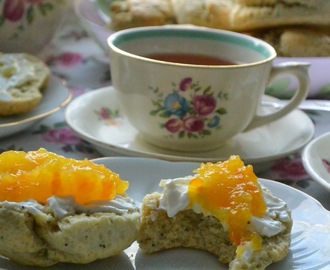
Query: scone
55	210
237	16
23	77
298	41
222	209
296	28
134	13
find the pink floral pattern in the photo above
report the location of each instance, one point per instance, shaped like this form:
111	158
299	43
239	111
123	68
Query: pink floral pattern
66	59
109	116
62	136
326	164
289	169
190	110
15	10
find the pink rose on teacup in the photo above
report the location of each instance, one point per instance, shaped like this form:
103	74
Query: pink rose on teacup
204	105
28	25
193	124
13	10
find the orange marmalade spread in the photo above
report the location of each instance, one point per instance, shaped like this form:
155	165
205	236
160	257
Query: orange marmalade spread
40	175
230	191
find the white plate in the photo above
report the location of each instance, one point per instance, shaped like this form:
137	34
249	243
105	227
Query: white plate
310	245
316	159
114	133
55	97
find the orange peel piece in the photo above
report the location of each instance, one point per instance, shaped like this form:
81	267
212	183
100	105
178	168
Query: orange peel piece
229	191
40	175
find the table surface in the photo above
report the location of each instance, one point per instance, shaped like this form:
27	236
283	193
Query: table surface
75	57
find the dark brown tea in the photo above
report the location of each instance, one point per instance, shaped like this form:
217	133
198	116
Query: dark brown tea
194	59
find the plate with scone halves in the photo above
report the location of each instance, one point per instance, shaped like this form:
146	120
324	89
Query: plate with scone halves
29	92
55	97
142	213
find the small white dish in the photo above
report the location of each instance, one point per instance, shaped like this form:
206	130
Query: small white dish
316	159
310	233
94	20
55	97
96	117
103	8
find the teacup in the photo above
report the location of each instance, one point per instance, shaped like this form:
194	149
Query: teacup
28	26
195	106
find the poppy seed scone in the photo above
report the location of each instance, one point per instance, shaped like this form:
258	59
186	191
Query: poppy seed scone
298	41
296	28
133	13
247	228
23	77
31	234
242	17
62	210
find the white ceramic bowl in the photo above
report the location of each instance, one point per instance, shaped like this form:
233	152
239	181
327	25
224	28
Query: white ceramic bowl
94	15
316	159
28	26
92	20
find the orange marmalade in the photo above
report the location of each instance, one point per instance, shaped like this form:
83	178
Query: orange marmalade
40	175
230	191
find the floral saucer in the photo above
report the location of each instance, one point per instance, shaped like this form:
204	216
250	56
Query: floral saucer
55	97
316	159
96	117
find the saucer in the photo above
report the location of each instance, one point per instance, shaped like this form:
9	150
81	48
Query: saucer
316	159
96	117
55	97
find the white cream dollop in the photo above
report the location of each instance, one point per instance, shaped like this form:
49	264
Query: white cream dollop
175	198
61	207
276	209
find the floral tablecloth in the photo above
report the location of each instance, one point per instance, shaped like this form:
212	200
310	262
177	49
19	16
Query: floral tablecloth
75	57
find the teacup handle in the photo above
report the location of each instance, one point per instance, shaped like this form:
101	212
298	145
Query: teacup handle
300	71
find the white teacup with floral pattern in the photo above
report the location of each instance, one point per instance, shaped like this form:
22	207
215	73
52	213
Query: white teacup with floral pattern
29	25
195	107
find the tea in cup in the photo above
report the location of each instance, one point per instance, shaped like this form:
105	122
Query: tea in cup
191	88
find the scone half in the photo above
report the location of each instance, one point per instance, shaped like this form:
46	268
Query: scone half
62	210
23	78
172	219
32	235
135	13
